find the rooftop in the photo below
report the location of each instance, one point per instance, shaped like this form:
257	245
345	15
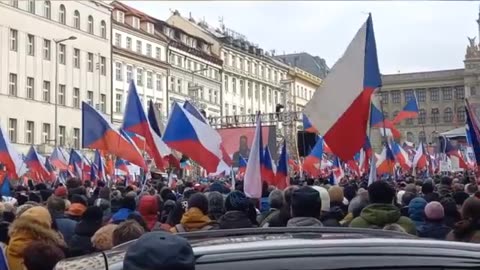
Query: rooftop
312	64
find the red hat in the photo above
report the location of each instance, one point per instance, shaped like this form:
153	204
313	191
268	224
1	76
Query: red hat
61	191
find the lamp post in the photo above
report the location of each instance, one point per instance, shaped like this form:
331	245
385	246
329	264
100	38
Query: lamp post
57	41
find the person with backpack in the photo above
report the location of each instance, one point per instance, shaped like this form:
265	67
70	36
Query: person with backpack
381	211
196	217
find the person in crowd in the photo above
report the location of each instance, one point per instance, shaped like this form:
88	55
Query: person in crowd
452	215
139	219
406	199
237	207
148	209
471	189
160	251
104	202
355	207
428	192
196	217
281	218
434	226
77	207
24	207
65	225
103	238
337	210
445	187
127	231
41	255
173	218
416	211
381	211
305	208
91	221
32	225
460	197
216	205
116	202
128	205
467	229
61	192
275	201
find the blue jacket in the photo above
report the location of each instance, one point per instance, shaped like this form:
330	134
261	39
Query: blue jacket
434	230
65	226
416	211
121	215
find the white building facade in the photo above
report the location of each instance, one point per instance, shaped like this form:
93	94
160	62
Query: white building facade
35	64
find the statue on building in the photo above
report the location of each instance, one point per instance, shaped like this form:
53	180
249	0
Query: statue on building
472	49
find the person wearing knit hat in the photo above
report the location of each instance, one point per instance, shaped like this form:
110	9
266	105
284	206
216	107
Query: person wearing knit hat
103	238
324	197
77	207
61	192
434	226
32	225
216	207
237	207
337	210
468	229
285	213
195	218
305	207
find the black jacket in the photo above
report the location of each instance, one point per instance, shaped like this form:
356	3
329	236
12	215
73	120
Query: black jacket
280	218
235	220
81	243
333	217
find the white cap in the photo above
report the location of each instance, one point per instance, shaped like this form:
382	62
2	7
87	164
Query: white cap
324	197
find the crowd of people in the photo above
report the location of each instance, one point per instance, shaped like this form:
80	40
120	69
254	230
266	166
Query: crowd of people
41	225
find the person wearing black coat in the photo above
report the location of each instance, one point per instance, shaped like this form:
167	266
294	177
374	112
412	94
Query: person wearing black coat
237	215
91	221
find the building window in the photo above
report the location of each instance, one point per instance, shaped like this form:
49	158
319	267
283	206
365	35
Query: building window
459	92
172	84
103	103
226	109
408	94
421	95
62	14
435	115
12	86
447	115
129	43
31	45
226	83
118	71
409	122
422	116
129	73
255	91
461	114
249	89
264	94
118	102
13	40
234	86
76	138
383	95
396	97
31	6
215	97
120	16
76	97
421	137
149	80
103	65
47	10
158	52
12	129
45	133
76	58
149	50
90	97
434	94
46	49
14	3
473	91
159	82
136	22
103	29
46	91
242	89
139	46
139	77
76	19
61	54
30	88
61	135
118	40
90	62
61	94
90	24
447	93
30	133
179	85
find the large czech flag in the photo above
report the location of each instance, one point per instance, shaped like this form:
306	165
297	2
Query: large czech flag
312	163
98	133
340	108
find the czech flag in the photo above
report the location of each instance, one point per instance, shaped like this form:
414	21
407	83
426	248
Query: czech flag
365	156
340	108
135	120
252	184
268	171
242	165
451	151
385	161
307	126
59	159
10	158
137	139
337	172
99	165
420	158
36	163
282	178
312	163
401	156
473	131
98	133
76	163
194	138
377	120
121	164
409	111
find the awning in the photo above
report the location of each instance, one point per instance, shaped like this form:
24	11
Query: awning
457	132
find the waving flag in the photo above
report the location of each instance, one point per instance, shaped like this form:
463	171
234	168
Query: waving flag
13	162
377	120
385	161
473	131
59	158
420	158
135	120
36	163
372	176
253	173
401	156
409	111
337	172
242	165
99	134
312	162
121	164
268	170
99	166
282	178
340	108
307	126
194	138
155	128
5	188
137	139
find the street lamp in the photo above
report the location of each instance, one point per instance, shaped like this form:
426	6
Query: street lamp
57	41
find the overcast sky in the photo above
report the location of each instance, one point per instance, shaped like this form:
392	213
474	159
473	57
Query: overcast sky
411	36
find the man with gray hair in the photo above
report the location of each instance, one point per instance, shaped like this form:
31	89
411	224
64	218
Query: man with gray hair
66	226
275	200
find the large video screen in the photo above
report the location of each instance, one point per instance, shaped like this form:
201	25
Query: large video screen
238	141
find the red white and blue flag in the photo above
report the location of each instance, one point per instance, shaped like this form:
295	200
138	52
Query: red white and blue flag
307	126
409	111
282	177
253	174
36	164
10	158
268	169
340	108
312	163
59	159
